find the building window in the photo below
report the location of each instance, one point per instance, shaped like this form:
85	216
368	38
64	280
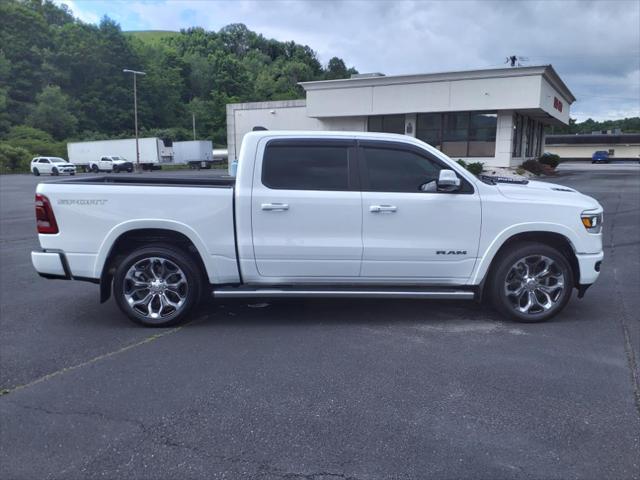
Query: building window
482	134
518	128
429	129
386	124
540	140
530	139
455	134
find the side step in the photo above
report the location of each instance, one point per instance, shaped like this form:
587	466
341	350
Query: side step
335	292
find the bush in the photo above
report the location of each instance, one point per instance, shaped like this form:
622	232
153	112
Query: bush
476	167
13	159
547	170
35	141
550	159
533	166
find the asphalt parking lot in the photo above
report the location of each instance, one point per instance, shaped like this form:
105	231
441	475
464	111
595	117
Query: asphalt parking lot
321	389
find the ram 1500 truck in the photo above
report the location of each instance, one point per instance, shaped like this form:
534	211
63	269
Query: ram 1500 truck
322	214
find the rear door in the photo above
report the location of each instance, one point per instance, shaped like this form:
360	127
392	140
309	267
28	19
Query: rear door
306	209
409	233
44	165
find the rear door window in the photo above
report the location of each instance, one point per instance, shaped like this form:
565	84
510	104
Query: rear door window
300	165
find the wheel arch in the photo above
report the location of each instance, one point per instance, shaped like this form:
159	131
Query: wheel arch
120	243
554	239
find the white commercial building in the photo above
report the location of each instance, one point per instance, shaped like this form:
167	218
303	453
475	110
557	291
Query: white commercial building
494	116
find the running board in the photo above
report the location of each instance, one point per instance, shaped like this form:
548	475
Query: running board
440	294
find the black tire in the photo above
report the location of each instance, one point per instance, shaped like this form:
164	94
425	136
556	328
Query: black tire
130	169
95	169
505	276
54	171
116	169
189	271
36	172
72	173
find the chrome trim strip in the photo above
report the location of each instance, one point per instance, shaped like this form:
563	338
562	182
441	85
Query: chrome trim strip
281	293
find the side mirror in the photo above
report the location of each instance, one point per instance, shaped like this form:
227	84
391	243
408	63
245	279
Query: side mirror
448	181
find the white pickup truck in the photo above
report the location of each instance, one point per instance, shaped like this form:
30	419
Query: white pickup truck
322	214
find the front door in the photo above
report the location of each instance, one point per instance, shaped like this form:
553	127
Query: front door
106	164
306	209
410	233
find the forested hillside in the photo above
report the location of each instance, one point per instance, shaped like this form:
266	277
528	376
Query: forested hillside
61	79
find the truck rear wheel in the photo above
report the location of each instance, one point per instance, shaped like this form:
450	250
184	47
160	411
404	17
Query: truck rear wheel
531	282
157	286
95	169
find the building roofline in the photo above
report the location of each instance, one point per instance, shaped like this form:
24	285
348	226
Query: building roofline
593	139
547	71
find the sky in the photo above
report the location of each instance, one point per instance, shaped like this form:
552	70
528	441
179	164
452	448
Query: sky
594	45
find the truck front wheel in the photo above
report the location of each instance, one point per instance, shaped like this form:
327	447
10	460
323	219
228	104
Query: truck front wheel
531	282
157	286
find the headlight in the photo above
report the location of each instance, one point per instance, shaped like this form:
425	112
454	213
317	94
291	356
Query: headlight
592	221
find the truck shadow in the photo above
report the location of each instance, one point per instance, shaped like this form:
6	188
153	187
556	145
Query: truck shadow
338	311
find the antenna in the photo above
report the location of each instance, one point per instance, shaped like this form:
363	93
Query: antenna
516	60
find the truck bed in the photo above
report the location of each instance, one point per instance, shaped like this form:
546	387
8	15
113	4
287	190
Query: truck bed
222	181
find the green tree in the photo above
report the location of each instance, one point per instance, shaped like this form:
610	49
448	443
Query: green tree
35	141
336	69
52	113
13	159
65	76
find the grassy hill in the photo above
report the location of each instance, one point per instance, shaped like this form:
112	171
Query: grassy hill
150	36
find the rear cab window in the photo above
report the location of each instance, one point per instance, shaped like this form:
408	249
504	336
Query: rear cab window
309	164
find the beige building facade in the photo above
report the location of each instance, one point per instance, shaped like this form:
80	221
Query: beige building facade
620	146
493	116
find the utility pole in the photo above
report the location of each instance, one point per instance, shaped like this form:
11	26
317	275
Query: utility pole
193	122
135	113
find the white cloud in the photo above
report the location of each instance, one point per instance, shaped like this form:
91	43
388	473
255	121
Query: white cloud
84	15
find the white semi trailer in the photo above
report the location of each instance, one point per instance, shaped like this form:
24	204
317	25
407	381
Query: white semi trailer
154	152
195	153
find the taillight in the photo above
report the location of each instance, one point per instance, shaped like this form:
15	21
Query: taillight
45	219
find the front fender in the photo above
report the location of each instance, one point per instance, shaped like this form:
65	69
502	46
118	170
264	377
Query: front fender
489	253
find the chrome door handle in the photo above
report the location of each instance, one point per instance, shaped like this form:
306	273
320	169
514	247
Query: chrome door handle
275	207
383	208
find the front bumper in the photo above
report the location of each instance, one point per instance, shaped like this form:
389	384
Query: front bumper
589	264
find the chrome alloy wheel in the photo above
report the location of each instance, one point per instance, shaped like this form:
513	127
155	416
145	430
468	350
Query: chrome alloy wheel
534	284
155	288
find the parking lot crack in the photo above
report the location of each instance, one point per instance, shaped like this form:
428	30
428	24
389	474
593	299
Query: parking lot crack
91	361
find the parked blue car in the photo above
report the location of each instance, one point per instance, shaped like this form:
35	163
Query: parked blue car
600	156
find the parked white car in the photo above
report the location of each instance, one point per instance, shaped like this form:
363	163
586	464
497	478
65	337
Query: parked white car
322	214
113	164
51	166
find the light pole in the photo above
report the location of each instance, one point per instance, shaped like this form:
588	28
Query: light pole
135	112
